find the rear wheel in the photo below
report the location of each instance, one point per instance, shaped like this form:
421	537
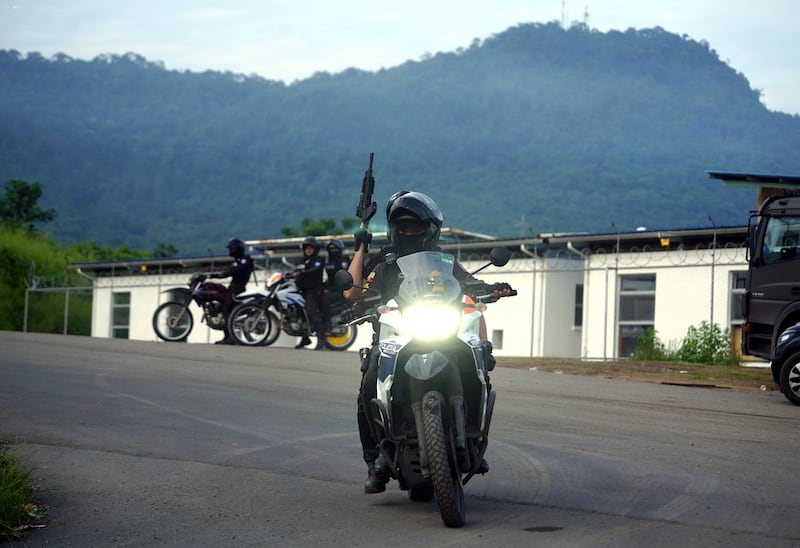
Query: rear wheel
444	476
790	379
341	337
251	325
172	321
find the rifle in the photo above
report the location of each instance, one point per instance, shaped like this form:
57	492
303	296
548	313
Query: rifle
366	207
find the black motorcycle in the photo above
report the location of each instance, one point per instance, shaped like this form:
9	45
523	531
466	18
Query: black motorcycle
173	321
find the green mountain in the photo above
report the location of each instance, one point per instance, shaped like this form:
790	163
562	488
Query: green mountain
535	129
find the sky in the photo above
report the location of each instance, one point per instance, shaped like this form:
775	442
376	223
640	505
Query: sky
290	40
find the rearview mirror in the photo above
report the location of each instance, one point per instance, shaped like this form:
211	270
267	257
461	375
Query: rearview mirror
343	280
499	256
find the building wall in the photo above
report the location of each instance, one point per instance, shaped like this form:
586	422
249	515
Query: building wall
146	293
685	280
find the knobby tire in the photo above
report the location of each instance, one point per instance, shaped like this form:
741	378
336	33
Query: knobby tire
446	485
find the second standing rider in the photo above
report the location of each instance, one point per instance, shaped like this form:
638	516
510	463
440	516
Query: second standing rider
308	277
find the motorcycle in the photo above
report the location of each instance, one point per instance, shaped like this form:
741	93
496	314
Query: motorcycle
434	401
173	321
261	315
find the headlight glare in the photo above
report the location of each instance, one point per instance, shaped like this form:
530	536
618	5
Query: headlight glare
432	322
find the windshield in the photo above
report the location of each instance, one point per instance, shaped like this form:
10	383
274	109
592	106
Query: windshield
428	275
781	239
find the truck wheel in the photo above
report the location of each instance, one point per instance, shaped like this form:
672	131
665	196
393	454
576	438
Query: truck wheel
790	379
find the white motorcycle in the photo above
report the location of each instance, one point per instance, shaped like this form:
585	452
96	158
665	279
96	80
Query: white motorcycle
261	315
434	403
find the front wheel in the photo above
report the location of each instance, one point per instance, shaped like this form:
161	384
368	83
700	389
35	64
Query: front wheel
251	325
446	482
172	321
341	337
790	378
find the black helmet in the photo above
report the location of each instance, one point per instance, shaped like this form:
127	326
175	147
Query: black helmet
335	246
311	241
235	247
415	222
392	200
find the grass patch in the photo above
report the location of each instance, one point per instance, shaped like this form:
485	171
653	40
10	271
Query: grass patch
17	509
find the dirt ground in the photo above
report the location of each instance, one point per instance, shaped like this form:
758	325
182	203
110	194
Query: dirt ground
752	379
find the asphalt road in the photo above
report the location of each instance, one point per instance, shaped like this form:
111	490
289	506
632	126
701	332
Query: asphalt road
166	444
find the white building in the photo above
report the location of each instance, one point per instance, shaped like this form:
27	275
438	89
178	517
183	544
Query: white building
580	295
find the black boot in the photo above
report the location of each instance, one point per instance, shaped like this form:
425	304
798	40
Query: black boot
305	341
378	476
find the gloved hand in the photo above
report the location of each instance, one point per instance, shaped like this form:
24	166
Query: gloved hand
362	236
500	289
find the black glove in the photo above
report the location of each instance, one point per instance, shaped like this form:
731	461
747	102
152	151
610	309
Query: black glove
501	288
362	236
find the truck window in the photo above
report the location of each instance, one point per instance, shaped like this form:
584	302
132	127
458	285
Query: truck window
781	239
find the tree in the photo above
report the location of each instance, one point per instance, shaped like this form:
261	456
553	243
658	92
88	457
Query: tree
165	250
322	227
19	207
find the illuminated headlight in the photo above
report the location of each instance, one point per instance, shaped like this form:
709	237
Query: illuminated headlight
432	322
785	336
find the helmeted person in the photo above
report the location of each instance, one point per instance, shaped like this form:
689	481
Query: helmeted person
335	262
415	223
308	277
336	259
239	272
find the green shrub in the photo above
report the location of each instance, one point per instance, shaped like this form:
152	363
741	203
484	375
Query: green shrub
16	497
650	348
707	344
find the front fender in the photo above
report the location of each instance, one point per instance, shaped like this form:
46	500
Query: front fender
248	296
179	292
788	344
426	366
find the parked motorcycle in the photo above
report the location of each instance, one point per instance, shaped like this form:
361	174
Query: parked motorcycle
434	401
261	315
173	321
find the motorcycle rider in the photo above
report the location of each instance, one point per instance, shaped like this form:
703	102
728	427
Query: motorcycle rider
308	277
415	222
239	271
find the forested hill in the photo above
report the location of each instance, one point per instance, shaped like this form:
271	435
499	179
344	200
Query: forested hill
532	130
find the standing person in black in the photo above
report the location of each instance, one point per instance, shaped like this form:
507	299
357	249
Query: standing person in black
308	277
239	272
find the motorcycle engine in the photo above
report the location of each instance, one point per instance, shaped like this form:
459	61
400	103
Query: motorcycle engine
294	315
214	315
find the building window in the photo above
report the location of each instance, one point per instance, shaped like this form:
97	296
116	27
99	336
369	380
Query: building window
637	310
497	338
578	319
121	315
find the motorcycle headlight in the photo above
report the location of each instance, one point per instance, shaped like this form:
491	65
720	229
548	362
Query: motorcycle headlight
432	322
